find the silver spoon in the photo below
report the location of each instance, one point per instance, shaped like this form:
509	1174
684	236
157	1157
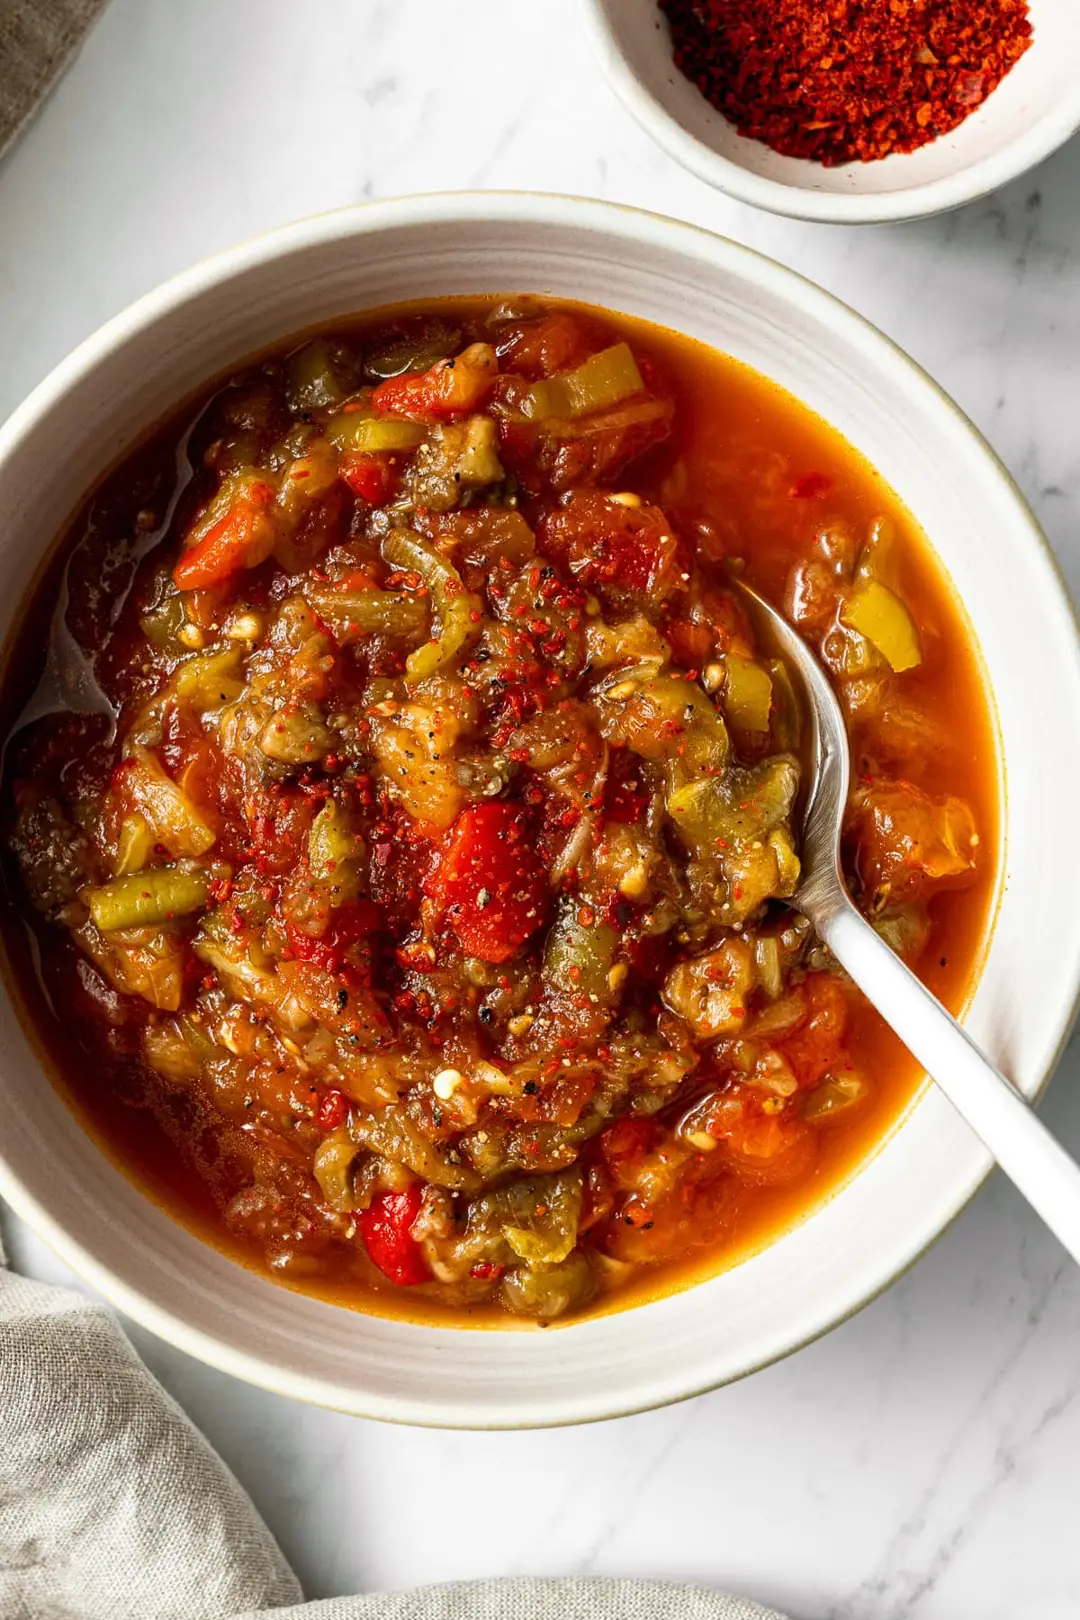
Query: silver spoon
1029	1155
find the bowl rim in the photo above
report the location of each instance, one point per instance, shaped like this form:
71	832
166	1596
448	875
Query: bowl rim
1045	136
542	210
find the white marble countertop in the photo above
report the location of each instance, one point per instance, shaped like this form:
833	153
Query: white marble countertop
922	1461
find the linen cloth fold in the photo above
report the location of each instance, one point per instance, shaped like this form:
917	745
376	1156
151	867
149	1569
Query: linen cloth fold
114	1507
37	40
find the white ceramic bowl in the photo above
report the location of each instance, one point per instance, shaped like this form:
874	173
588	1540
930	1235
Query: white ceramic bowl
1032	112
101	399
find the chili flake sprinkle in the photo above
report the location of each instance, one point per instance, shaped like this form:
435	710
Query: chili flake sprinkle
840	81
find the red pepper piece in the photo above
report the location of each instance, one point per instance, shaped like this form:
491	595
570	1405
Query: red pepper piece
487	1271
372	478
241	539
490	882
332	1110
450	389
385	1230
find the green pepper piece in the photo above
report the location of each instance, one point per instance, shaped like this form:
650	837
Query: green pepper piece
144	899
748	693
874	611
351	615
311	378
370	435
457	610
604	380
579	956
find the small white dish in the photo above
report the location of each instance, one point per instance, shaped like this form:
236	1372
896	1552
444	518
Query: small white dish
1033	111
100	400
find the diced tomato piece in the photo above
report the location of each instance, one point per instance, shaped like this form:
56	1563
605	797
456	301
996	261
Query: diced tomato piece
587	451
905	842
279	823
817	1045
490	883
450	389
604	542
372	478
624	1146
568	1099
309	947
627	1138
202	771
209	778
353	921
385	1230
692	643
556	342
706	625
332	1110
243	538
764	1149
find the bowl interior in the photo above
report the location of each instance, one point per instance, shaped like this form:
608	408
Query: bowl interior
1034	108
130	373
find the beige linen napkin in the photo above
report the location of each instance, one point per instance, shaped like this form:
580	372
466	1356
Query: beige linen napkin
113	1507
37	40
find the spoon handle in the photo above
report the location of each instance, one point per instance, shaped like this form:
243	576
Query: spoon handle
1030	1156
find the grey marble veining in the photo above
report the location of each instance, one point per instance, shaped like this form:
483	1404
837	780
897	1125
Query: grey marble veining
920	1463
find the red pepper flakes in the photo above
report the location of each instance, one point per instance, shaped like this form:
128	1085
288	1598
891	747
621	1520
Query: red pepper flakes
487	1271
840	81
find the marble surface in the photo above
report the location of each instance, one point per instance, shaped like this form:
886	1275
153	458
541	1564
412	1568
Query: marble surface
922	1461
